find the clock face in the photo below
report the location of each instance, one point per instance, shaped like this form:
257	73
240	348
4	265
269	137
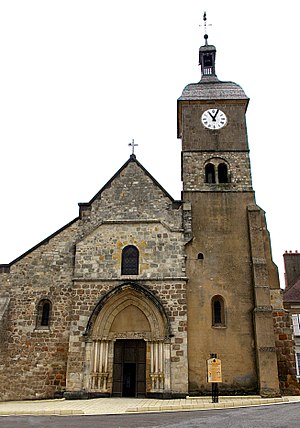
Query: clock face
214	118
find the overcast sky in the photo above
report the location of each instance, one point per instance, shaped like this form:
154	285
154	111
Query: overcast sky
80	79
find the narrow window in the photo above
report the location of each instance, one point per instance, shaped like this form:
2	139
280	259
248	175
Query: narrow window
43	315
130	261
222	173
200	256
218	312
210	173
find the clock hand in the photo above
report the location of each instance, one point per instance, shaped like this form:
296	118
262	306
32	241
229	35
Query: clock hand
214	118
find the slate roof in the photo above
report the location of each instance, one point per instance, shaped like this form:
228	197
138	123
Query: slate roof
292	293
212	88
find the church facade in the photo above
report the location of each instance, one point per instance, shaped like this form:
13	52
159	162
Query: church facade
133	296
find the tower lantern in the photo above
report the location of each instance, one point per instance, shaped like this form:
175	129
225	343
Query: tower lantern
207	58
207	55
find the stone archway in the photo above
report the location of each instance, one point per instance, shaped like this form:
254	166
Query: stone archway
127	317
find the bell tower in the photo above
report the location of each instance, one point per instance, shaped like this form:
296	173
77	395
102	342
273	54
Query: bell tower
228	258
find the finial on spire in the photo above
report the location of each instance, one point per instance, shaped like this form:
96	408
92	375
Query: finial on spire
205	27
133	145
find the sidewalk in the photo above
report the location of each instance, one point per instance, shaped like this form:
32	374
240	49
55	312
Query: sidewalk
99	406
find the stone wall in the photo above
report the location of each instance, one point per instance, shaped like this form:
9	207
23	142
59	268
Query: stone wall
285	346
196	137
132	194
221	235
75	268
238	171
285	353
160	250
33	363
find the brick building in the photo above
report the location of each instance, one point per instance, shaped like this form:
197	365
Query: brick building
132	296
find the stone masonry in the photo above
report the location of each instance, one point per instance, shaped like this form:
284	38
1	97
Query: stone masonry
77	267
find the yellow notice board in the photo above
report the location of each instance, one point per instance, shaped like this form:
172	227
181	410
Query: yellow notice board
214	371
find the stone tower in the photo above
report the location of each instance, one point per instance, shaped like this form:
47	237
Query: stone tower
228	258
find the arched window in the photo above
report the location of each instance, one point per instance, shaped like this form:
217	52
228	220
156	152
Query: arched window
130	261
200	256
218	311
222	173
210	173
44	313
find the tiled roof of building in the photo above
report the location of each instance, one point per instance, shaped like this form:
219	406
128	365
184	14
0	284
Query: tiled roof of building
292	293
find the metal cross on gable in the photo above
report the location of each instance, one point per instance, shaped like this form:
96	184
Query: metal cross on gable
133	145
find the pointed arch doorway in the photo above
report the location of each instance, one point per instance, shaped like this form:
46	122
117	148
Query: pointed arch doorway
129	347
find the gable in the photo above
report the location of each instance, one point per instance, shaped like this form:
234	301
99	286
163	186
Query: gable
132	193
132	160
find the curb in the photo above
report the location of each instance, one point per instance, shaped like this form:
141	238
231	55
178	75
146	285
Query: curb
42	413
208	405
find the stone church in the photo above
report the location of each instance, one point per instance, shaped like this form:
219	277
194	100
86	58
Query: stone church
132	297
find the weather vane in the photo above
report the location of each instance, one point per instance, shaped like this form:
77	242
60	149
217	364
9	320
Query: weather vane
133	145
205	25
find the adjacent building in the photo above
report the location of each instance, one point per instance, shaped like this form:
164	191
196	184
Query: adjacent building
291	298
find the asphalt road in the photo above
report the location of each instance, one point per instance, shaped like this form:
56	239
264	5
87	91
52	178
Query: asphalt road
273	416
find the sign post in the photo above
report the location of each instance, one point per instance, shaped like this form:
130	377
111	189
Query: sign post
214	375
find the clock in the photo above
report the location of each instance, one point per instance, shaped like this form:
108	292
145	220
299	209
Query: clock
214	118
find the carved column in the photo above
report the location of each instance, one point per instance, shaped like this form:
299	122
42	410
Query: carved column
99	365
157	366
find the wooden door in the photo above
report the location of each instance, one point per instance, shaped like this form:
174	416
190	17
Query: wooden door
129	369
